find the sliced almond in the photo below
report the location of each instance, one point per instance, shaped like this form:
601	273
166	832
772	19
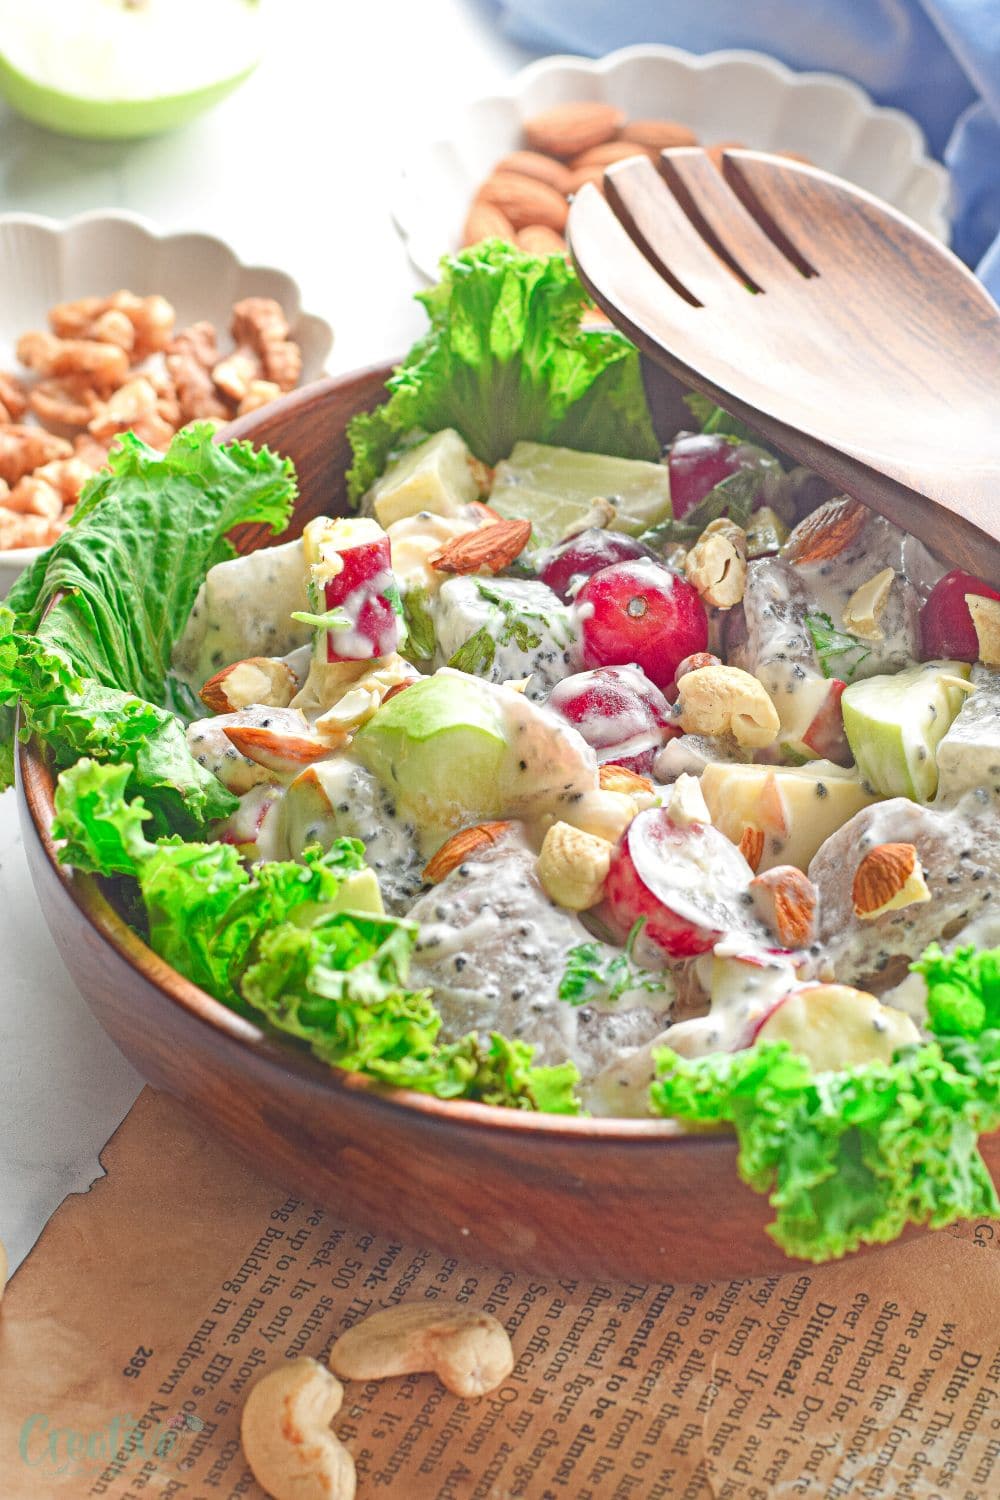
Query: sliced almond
567	129
489	549
459	847
866	606
258	679
786	900
282	753
525	200
986	618
827	532
887	879
751	846
621	779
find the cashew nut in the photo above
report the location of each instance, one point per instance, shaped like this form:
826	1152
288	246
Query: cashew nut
606	812
866	606
686	802
286	1434
469	1351
574	865
598	516
717	563
726	700
986	618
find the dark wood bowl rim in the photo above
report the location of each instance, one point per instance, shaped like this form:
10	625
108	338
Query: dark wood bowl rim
36	786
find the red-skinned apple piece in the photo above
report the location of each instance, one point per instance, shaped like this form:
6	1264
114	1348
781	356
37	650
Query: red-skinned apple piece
690	884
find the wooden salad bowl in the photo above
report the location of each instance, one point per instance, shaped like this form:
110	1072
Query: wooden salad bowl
630	1199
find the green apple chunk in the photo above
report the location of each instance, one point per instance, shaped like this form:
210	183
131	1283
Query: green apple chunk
894	725
105	68
455	751
554	487
439	747
437	475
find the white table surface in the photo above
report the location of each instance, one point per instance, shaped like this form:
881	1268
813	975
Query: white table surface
294	171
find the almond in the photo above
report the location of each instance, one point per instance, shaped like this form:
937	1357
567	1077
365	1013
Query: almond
827	532
621	779
481	512
786	900
277	752
525	200
584	175
888	878
486	222
567	129
658	135
695	662
459	847
486	550
607	153
537	240
806	161
751	846
715	153
259	679
535	164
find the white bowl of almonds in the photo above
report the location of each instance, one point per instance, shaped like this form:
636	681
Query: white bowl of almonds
107	325
510	162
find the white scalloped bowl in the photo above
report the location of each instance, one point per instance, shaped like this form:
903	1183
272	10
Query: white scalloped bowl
733	95
43	261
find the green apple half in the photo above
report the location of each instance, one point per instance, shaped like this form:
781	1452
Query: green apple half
124	68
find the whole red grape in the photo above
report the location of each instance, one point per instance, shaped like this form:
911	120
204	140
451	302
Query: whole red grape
644	613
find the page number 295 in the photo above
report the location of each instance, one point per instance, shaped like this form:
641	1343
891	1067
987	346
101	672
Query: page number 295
133	1369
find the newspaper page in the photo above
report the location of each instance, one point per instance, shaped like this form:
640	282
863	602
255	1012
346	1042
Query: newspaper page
131	1336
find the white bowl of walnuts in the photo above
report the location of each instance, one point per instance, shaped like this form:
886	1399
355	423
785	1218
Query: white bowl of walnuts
106	326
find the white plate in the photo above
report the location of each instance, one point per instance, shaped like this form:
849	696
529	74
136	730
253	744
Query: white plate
745	96
43	262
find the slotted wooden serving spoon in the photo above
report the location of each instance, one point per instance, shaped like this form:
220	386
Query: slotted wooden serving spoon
833	326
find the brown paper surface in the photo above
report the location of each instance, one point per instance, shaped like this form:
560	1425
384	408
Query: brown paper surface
131	1335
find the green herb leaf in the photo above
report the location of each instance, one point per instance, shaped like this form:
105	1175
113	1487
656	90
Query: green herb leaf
421	639
505	358
587	978
330	619
712	418
834	648
476	655
733	496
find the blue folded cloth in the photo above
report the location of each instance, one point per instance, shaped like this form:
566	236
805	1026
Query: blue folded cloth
939	60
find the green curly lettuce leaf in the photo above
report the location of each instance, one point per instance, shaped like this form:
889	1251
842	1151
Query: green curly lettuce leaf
505	359
849	1158
88	631
283	942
